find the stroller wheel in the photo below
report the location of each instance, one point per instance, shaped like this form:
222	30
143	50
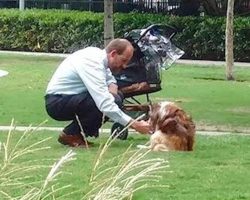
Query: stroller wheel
117	130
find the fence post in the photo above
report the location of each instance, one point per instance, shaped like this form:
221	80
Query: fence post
21	4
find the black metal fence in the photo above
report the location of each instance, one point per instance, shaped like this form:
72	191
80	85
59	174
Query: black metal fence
97	6
178	7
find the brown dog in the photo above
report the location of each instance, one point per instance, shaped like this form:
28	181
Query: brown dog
173	128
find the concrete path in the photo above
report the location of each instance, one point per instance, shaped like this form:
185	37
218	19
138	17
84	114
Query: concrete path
180	61
59	129
210	63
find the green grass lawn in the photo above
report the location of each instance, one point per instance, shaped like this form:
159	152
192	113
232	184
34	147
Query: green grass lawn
218	168
210	99
201	90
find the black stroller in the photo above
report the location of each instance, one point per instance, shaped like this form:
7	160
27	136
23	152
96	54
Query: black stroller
153	51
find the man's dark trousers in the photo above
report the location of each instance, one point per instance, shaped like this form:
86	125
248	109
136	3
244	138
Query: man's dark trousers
66	107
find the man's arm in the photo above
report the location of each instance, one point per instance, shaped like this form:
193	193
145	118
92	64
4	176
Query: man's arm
113	88
141	126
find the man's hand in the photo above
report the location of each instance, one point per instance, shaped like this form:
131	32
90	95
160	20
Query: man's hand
141	126
113	88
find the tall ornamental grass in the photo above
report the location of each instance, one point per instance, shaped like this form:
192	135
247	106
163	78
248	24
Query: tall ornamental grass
111	178
19	176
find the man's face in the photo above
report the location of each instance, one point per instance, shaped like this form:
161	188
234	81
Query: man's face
117	62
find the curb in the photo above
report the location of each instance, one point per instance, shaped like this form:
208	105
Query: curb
180	61
210	63
59	129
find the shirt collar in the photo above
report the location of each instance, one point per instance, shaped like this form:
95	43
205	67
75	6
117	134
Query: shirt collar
105	60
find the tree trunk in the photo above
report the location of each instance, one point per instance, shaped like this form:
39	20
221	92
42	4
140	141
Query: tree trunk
108	21
229	54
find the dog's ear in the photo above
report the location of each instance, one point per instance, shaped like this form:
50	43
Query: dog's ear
168	125
186	121
154	115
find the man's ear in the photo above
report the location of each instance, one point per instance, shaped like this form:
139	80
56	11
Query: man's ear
113	53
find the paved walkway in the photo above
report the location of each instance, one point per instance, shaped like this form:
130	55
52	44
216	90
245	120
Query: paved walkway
180	61
210	63
58	129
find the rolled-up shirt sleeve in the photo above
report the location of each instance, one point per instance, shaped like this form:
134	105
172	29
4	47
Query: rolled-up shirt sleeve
109	77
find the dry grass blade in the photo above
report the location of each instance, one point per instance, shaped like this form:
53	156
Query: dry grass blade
31	194
14	150
82	132
104	148
17	174
118	178
54	191
104	167
55	168
6	145
15	168
12	153
6	196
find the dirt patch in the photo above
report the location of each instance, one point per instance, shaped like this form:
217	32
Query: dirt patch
218	79
219	128
159	99
240	110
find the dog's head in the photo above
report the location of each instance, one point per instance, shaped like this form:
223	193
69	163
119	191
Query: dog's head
170	118
174	123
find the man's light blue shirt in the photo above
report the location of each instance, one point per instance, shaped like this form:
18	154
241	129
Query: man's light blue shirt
87	70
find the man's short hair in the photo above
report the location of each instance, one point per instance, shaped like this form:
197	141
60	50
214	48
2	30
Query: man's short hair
118	44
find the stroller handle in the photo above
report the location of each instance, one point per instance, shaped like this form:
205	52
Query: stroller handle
158	26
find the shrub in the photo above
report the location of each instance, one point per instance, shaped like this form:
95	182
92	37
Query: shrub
66	31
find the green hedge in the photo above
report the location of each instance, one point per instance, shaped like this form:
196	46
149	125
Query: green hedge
65	31
48	30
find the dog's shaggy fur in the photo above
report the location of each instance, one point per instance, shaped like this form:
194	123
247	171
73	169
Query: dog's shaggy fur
173	128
